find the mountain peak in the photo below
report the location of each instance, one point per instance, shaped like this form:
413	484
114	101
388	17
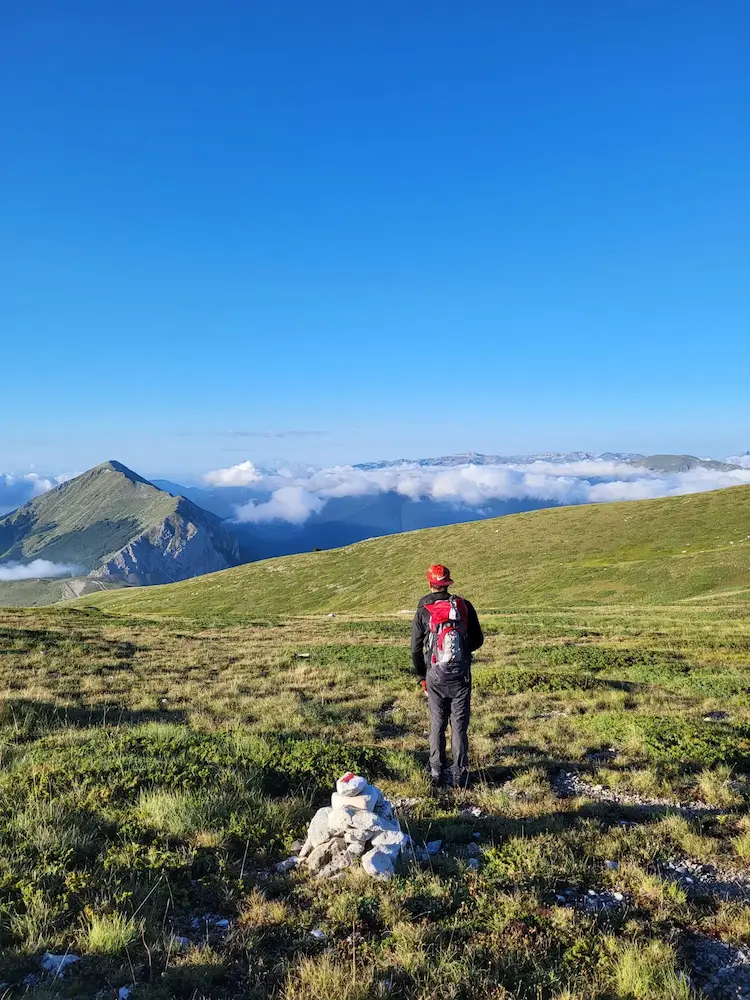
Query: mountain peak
114	466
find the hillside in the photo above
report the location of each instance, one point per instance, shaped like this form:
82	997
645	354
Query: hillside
113	525
643	551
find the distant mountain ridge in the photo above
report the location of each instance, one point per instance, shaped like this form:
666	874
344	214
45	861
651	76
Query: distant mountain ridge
118	528
477	458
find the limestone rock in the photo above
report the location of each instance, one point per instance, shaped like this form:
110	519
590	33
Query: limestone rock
317	832
378	863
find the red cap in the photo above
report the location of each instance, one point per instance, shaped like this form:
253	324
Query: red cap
439	576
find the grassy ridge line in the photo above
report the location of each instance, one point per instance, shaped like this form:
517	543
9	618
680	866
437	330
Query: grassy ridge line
655	551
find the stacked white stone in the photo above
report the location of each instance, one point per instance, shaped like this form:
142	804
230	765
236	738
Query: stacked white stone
359	825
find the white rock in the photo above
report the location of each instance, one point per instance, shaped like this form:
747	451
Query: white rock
355	836
392	838
305	849
318	934
366	801
57	963
351	784
355	850
433	847
378	863
339	820
370	824
317	832
124	992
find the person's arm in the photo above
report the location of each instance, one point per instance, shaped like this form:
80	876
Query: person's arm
474	634
418	636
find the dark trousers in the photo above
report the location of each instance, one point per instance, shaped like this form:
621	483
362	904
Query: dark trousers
454	704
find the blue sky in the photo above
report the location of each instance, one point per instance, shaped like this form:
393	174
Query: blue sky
530	220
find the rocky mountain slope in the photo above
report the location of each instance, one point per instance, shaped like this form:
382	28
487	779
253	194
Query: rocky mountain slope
110	524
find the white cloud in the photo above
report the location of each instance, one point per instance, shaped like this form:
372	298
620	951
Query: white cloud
743	460
244	474
290	503
37	569
295	494
18	488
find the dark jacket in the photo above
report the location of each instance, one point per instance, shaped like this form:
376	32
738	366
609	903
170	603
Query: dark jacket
420	632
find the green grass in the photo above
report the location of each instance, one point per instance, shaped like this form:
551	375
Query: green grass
646	551
153	770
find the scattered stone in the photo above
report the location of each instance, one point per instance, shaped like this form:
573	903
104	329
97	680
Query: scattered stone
474	811
591	901
404	804
473	863
473	850
124	992
570	784
297	846
722	970
181	942
433	847
57	964
302	656
286	865
715	716
318	934
31	979
222	924
612	865
699	879
477	835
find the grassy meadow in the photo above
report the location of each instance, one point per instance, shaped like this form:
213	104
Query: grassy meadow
153	771
641	552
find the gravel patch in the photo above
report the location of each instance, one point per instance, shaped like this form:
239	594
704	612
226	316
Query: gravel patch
699	879
593	900
721	971
570	784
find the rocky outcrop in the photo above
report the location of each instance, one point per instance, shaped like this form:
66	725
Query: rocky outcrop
187	543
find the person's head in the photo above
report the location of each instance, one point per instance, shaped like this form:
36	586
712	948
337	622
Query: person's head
439	578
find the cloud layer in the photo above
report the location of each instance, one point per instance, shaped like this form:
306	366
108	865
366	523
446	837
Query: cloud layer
293	495
17	489
37	569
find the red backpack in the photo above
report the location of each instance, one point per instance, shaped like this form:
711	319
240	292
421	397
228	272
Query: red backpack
449	657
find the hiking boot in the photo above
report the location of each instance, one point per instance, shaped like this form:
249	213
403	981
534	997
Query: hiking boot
461	780
436	782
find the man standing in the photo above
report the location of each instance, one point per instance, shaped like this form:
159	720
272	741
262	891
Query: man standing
446	631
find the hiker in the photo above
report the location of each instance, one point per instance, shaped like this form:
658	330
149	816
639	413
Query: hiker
446	631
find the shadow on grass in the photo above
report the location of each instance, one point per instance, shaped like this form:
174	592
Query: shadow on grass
30	718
